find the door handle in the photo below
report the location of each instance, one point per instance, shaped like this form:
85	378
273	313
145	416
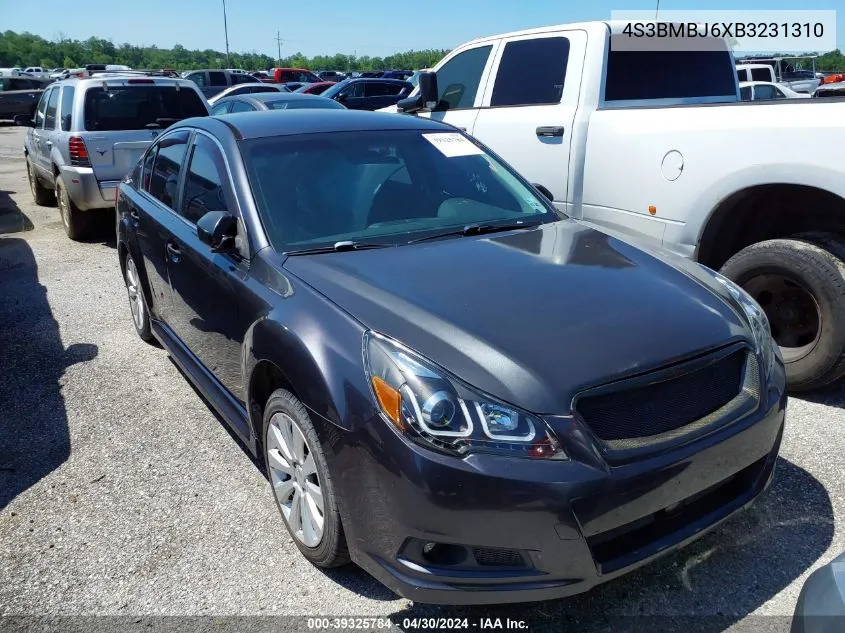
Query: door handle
134	215
174	251
49	143
549	131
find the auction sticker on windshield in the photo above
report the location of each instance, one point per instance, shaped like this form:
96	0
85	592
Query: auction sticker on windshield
452	144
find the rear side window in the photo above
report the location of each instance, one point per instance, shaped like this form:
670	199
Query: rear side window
241	106
149	159
522	81
217	79
138	107
164	181
204	182
459	78
745	93
67	108
50	114
636	75
761	74
379	89
198	79
42	109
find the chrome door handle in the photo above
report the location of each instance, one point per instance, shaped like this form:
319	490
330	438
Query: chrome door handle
549	131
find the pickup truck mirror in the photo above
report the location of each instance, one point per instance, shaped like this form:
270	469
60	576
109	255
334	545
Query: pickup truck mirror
546	193
24	120
218	229
427	98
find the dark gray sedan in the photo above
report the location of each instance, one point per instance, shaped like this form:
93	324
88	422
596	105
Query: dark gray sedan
273	101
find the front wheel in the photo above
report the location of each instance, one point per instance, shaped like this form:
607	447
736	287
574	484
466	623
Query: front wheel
801	287
302	486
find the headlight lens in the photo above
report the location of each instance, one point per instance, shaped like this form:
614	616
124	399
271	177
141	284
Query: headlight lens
757	320
437	410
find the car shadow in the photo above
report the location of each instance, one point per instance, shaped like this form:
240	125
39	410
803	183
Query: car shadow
12	219
34	437
102	228
833	395
706	587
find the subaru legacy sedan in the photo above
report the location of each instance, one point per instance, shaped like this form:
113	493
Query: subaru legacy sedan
449	382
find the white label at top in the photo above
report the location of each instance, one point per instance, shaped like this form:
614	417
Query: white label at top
452	144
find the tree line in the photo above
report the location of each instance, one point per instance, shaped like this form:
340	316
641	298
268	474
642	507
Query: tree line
26	49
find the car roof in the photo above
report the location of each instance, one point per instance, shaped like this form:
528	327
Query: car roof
357	80
117	79
249	125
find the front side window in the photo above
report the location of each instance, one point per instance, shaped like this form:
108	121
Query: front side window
217	78
764	91
198	79
136	107
459	78
520	80
204	181
164	180
383	186
220	108
241	106
50	113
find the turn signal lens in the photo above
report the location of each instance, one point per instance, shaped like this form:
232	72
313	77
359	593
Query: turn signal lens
389	399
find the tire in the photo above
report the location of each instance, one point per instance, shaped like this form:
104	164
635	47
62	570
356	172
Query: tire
801	286
43	196
137	303
283	408
76	222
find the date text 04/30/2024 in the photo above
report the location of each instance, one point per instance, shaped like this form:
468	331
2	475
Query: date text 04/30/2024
421	624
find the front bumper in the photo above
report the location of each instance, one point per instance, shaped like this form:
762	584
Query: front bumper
572	524
86	191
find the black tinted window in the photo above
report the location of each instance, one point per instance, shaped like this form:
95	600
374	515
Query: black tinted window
745	93
217	79
22	84
668	75
459	78
164	182
380	89
204	182
67	107
50	114
137	107
521	80
761	74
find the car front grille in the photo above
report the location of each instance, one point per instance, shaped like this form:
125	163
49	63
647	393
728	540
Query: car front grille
668	404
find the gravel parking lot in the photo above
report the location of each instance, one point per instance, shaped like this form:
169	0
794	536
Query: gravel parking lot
121	493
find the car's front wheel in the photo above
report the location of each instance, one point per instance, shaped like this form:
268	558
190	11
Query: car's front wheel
137	303
302	486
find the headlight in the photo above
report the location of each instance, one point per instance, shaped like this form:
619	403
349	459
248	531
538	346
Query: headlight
757	320
439	411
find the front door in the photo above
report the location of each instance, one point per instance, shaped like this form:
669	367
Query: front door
460	84
205	285
529	108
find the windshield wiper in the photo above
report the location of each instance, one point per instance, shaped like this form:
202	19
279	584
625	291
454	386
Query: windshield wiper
337	247
479	228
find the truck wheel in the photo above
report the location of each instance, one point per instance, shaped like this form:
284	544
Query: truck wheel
43	197
801	287
74	220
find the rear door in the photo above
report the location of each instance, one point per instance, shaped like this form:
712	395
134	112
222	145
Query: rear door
354	96
43	133
35	133
122	119
529	106
381	94
460	83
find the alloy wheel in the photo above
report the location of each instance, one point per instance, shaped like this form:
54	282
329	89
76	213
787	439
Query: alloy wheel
133	288
61	200
33	181
294	478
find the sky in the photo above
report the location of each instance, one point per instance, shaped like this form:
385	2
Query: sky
370	27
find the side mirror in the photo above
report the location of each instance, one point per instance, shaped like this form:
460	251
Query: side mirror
546	193
427	98
24	120
343	97
218	229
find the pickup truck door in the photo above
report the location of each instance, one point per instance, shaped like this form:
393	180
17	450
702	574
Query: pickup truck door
529	105
461	79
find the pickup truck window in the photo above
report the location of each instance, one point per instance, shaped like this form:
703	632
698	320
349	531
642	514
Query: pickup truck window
198	79
459	78
761	74
745	93
647	75
520	80
217	79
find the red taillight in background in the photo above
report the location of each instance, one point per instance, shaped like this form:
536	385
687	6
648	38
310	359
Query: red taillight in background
78	152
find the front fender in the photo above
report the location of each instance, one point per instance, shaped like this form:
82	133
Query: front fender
323	364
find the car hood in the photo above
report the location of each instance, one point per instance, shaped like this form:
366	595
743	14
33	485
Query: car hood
533	316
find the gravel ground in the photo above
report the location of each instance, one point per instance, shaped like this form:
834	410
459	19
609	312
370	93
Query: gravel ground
122	494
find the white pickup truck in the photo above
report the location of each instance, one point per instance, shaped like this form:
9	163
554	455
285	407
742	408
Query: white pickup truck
640	144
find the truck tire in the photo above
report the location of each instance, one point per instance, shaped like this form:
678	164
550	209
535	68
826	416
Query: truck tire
43	197
801	287
75	221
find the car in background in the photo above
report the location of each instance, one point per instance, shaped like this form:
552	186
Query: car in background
37	71
830	90
86	135
55	73
293	86
821	604
212	82
414	79
331	75
300	75
364	299
243	89
315	89
397	74
270	101
369	94
20	95
262	76
766	90
369	74
237	71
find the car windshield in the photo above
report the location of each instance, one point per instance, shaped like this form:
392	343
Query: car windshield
305	103
385	187
137	107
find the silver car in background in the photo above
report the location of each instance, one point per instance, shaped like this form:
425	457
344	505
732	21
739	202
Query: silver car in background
87	133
